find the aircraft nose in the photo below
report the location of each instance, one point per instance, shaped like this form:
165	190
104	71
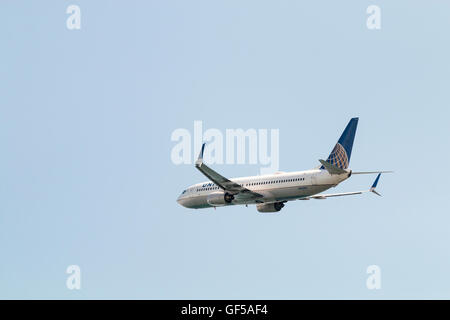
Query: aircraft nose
181	201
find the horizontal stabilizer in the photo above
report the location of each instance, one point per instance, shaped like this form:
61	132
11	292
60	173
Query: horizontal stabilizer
332	169
370	172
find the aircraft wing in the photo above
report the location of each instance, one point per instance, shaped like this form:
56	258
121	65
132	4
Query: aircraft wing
324	196
223	182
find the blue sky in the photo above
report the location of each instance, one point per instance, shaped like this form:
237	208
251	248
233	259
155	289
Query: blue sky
86	176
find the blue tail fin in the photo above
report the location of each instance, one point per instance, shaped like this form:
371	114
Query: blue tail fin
340	155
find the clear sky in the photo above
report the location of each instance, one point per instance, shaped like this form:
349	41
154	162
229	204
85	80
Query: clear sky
86	176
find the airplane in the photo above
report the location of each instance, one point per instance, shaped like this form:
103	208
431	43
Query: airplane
270	192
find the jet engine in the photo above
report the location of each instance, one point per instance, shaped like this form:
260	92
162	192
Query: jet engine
218	199
270	207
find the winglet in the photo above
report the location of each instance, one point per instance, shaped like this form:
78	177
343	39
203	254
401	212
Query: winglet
374	185
199	161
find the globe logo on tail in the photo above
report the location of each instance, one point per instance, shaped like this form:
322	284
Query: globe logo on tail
338	157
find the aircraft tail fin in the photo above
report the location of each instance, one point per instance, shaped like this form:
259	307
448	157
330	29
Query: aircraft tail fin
340	155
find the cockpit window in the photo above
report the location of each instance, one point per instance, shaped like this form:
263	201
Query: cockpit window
183	192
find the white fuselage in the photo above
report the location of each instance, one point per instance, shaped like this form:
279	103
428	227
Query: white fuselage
281	186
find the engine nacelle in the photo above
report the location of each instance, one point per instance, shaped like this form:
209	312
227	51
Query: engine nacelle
218	199
270	207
